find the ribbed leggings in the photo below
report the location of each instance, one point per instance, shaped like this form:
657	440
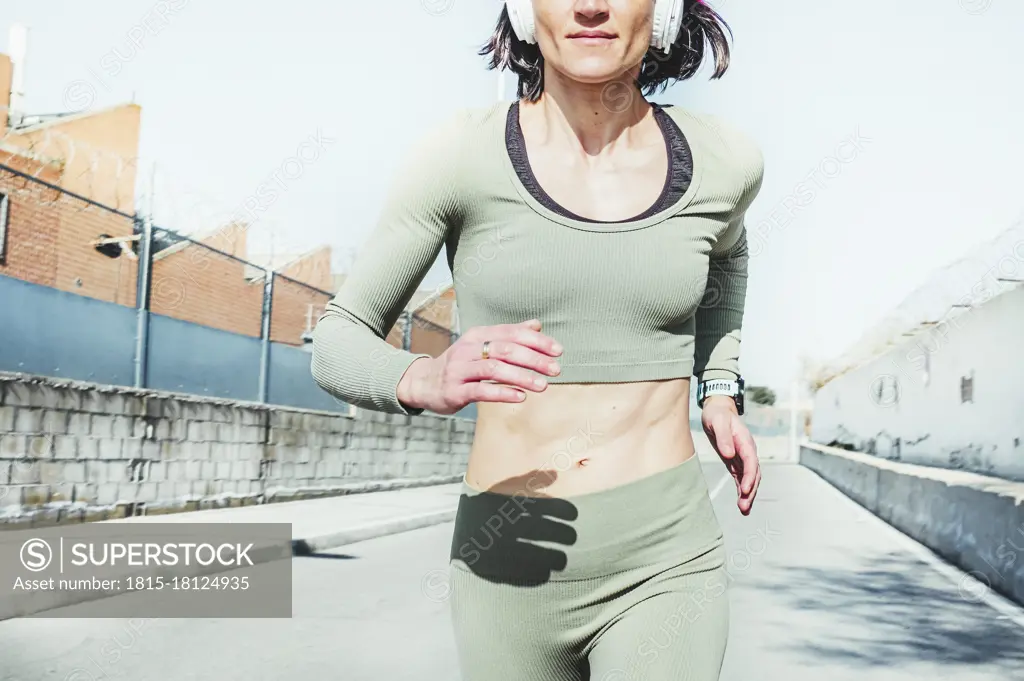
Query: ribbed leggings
626	584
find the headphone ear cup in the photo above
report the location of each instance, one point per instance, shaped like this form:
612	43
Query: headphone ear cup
520	14
668	21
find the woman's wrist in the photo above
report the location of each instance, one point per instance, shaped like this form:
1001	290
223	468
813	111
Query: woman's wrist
719	401
409	390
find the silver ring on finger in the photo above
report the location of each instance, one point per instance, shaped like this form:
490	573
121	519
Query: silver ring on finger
485	353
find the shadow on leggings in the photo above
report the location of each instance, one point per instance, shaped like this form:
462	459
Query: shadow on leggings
495	534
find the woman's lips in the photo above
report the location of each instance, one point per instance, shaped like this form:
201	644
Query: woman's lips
592	38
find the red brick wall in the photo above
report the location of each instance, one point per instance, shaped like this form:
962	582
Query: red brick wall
294	305
93	156
99	152
439	311
81	268
313	269
195	284
429	340
297	307
32	223
394	336
49	235
426	337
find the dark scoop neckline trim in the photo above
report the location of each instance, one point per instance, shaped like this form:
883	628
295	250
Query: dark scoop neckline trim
678	177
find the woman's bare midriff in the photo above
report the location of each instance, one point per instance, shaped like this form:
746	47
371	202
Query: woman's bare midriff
580	438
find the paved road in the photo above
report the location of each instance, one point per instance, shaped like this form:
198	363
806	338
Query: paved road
821	590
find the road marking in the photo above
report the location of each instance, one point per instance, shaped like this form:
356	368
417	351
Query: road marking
719	486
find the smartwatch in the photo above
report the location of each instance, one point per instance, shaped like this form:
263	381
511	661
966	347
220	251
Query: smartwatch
721	386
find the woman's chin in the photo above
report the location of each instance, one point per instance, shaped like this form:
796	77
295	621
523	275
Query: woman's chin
596	72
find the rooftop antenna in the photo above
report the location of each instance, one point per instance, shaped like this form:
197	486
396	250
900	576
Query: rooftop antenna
18	48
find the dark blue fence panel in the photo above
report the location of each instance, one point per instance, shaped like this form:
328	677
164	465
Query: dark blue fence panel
292	384
50	332
191	358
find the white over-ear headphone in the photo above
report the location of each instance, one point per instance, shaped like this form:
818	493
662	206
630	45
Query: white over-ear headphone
668	20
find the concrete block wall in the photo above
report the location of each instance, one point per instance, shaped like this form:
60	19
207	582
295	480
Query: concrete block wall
72	451
974	521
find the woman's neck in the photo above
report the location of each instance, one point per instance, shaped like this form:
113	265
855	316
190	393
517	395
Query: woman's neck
593	117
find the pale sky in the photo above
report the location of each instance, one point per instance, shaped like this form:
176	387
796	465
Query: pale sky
892	132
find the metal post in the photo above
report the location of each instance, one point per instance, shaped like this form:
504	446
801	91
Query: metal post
407	318
142	295
268	300
794	440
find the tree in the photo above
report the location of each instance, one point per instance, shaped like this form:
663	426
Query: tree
814	372
759	394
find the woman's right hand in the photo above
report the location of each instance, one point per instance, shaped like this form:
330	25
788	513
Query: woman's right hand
461	375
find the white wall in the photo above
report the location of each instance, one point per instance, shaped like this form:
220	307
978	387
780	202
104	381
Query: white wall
925	413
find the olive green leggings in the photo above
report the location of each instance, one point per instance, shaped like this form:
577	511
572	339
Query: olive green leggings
626	584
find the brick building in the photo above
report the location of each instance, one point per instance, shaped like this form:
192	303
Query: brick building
28	243
68	180
48	233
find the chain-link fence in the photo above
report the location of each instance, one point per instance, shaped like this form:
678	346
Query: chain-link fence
206	284
95	294
66	242
295	309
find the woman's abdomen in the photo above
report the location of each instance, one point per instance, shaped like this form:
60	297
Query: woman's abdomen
581	438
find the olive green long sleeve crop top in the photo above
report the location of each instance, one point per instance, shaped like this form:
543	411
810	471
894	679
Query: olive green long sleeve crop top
661	296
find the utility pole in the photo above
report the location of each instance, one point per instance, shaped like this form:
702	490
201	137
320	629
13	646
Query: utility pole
142	293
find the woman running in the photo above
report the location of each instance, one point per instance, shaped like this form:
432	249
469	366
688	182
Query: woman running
597	246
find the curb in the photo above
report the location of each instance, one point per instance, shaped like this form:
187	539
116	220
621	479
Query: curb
281	496
73	513
964	518
312	545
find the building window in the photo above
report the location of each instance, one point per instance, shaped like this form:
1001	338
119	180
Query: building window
887	391
4	206
966	389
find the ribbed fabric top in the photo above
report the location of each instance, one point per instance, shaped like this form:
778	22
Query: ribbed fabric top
660	296
680	165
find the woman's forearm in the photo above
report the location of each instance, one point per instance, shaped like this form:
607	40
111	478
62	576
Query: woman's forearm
358	367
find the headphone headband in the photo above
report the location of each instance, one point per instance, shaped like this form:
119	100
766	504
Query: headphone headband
668	20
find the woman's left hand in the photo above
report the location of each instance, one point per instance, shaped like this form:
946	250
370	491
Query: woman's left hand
734	444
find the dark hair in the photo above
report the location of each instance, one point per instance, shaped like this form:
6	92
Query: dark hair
702	27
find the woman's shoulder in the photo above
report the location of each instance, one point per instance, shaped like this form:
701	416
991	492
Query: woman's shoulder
482	117
461	128
444	144
445	158
730	138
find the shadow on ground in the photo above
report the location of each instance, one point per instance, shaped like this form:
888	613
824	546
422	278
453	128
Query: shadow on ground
330	556
891	609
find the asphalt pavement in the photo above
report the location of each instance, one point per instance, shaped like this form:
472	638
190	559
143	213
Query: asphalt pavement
820	589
